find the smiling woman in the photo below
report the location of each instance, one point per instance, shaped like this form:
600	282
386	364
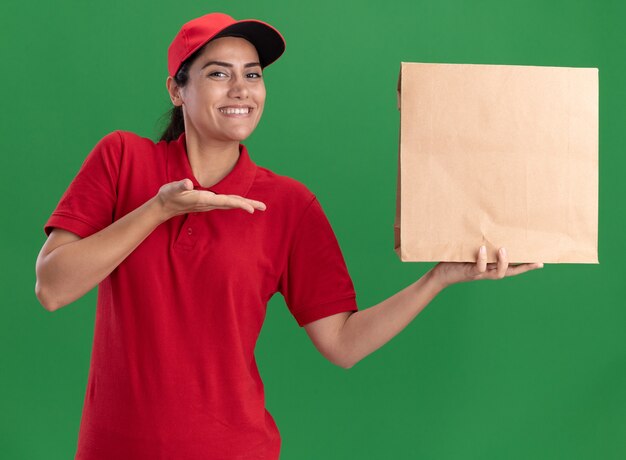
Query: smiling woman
223	94
183	292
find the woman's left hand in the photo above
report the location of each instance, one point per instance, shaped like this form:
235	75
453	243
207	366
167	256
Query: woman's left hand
447	273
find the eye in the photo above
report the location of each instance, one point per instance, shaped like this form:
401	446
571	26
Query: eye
254	75
217	73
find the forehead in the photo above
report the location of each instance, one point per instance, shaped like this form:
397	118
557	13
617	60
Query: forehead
229	48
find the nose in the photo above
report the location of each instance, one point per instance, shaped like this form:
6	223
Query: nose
238	88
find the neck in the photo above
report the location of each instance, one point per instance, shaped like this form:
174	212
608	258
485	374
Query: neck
210	160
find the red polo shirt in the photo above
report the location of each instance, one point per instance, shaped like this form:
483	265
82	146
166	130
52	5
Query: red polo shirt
173	373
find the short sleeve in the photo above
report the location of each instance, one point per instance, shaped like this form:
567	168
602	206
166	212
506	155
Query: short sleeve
88	204
316	282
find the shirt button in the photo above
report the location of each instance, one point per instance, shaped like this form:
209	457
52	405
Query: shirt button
189	231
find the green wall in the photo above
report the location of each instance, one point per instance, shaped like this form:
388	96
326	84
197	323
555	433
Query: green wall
526	367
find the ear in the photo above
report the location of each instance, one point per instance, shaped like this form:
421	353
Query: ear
174	90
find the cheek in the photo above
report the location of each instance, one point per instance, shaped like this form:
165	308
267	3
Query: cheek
260	100
260	92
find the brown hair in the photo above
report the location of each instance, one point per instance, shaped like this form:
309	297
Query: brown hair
176	124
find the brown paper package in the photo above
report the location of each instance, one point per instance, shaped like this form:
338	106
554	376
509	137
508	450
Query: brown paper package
497	155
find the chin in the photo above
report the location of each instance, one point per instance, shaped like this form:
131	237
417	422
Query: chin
240	135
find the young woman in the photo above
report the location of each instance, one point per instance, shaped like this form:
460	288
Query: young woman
185	263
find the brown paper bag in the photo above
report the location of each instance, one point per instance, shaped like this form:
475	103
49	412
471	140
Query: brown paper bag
498	155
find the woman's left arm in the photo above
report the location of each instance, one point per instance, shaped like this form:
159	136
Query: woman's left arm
367	330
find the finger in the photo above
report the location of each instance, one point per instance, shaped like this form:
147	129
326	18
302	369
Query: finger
257	204
481	263
231	201
216	201
185	184
503	263
522	268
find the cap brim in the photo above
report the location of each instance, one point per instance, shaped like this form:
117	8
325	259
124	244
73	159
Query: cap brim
269	43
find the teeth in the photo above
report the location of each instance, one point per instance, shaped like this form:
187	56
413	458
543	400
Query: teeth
230	110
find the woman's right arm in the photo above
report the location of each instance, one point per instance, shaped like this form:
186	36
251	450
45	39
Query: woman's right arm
69	266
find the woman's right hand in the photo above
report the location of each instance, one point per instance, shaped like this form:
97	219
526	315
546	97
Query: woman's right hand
179	197
68	266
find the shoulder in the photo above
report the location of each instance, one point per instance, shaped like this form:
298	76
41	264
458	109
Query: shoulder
126	145
293	192
124	138
134	140
120	139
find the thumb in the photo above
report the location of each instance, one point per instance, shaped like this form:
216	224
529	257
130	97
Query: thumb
186	184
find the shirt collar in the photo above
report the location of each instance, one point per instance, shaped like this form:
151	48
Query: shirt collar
237	182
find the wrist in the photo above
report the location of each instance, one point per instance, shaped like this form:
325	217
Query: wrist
436	279
156	208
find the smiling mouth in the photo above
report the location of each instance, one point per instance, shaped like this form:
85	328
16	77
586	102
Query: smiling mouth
236	110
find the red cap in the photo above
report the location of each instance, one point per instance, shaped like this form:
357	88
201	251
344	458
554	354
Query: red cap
269	43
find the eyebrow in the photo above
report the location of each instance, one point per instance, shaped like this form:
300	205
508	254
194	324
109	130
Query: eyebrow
226	64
